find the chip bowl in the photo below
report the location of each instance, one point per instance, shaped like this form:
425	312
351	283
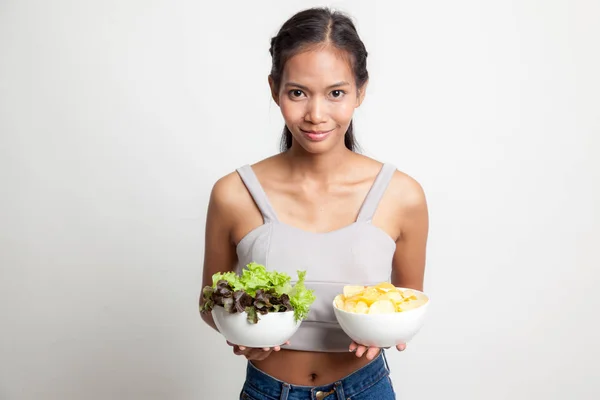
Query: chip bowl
383	329
272	329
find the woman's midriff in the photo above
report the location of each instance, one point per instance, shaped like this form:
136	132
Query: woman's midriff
310	368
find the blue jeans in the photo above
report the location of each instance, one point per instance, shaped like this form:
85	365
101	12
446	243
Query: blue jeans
372	381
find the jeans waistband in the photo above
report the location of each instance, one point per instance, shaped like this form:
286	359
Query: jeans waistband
349	386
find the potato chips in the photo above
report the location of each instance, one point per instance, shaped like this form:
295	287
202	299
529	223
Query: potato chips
383	298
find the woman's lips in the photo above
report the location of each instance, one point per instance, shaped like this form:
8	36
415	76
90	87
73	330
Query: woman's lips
316	136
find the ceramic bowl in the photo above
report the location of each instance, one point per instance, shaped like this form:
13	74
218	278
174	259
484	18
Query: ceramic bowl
272	329
383	330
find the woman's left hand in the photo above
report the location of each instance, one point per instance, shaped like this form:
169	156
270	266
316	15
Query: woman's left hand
371	352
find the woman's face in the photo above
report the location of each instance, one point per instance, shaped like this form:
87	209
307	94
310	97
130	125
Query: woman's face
317	98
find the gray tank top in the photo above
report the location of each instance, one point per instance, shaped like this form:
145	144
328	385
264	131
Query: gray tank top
357	254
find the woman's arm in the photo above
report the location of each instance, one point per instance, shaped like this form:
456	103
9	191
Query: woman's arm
408	266
219	249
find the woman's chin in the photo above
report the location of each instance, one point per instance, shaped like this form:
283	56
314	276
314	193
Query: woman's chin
319	146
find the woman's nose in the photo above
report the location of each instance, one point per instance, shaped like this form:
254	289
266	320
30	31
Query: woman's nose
316	112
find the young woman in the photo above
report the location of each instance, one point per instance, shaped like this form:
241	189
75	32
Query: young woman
321	207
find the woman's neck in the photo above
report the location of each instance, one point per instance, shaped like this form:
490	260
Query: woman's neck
322	168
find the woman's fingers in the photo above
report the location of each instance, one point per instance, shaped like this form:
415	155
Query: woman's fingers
358	349
372	352
361	350
254	353
401	347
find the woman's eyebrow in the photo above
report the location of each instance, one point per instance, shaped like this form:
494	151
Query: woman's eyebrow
339	84
335	85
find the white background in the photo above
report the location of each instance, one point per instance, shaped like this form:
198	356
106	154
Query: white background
116	117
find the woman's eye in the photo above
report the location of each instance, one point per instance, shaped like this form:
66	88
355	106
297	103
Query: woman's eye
296	93
337	93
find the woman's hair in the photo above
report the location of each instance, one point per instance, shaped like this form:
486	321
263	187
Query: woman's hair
313	27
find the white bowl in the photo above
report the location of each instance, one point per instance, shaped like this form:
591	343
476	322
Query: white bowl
272	329
383	330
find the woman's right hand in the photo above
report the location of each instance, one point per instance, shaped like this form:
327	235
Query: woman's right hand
253	353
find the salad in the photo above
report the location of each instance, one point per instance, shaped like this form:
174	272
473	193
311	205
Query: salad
258	292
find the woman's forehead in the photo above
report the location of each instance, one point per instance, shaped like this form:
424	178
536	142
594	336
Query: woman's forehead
320	67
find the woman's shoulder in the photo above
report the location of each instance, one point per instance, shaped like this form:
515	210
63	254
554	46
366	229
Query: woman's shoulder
232	180
407	188
403	188
229	189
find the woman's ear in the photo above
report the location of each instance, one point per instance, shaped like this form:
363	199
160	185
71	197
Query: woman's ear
361	94
274	93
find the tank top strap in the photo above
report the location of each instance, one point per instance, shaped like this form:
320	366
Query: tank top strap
257	192
369	206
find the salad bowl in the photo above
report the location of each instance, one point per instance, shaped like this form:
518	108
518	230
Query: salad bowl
258	308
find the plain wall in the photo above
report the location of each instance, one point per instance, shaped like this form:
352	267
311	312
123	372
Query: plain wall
116	118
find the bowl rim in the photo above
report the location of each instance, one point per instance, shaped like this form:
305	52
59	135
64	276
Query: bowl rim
387	314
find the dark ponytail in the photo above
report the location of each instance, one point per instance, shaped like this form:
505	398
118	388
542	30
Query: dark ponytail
311	27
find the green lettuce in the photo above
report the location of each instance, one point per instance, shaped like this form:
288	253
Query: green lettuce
257	292
300	297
